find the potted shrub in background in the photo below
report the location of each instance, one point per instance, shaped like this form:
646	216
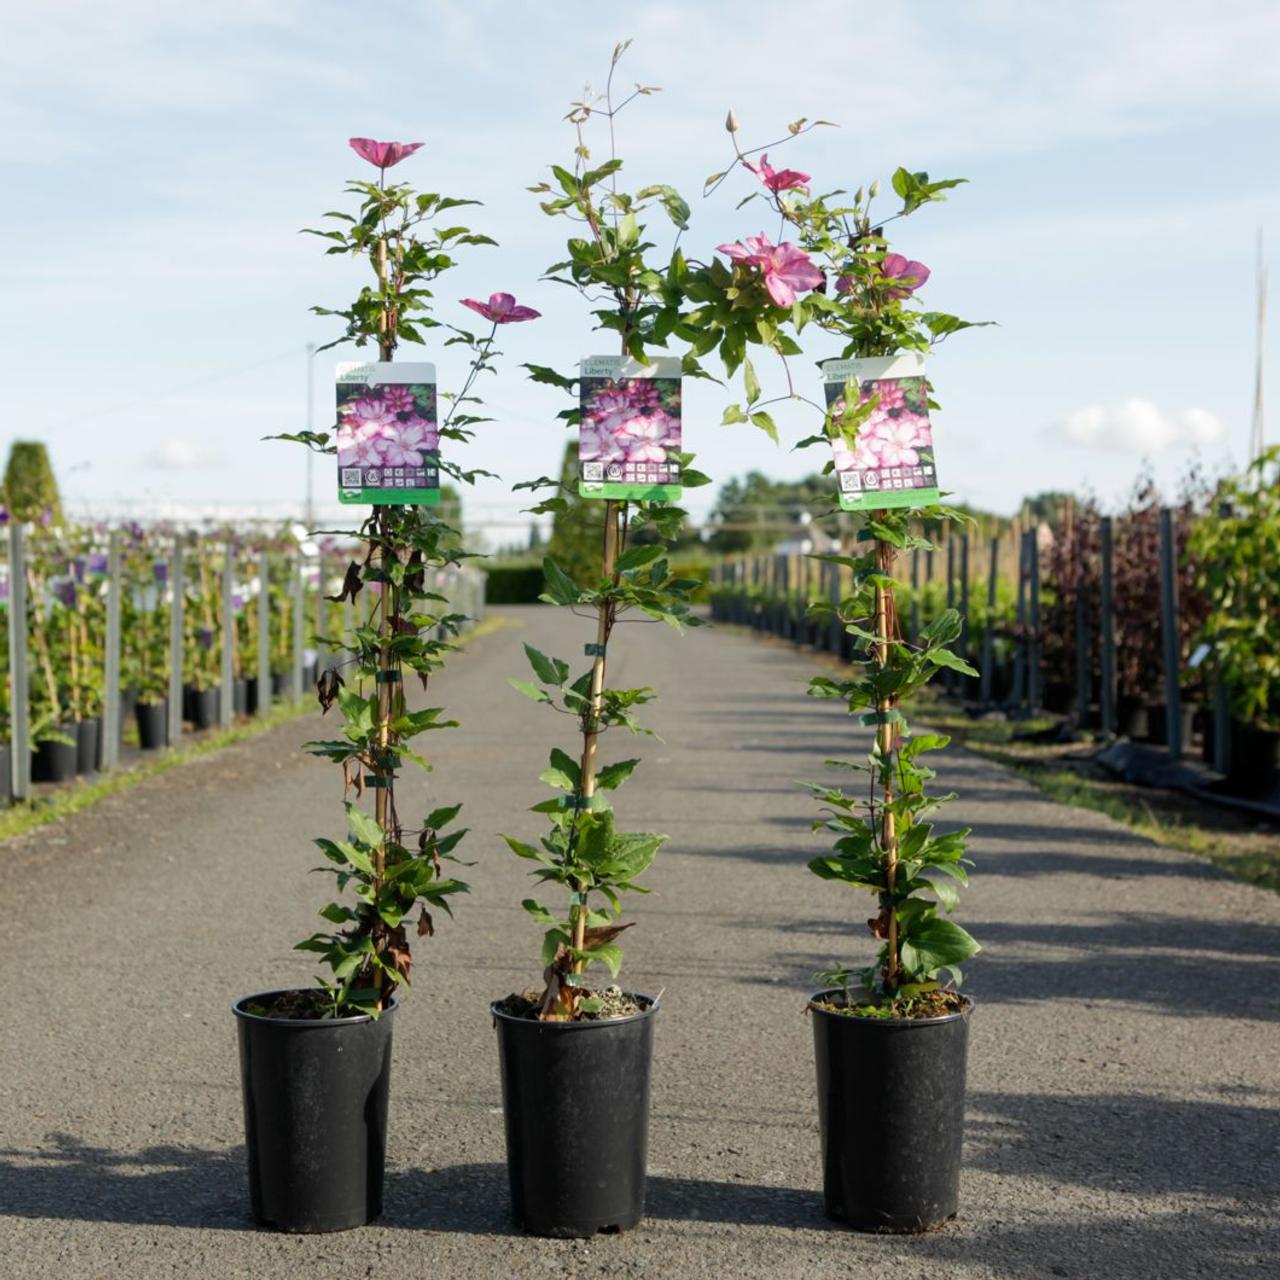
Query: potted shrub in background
1235	550
890	1048
575	1054
316	1062
147	661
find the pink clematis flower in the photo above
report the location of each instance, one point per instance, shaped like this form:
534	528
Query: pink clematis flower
786	269
896	441
909	274
397	398
778	179
382	154
501	308
419	434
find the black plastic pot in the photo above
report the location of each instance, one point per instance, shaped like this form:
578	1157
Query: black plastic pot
575	1100
153	724
6	773
205	707
1131	718
315	1116
1158	723
891	1114
56	761
251	696
1255	758
88	734
240	697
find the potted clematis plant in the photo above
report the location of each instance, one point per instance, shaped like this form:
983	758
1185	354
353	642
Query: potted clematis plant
316	1061
575	1052
891	1044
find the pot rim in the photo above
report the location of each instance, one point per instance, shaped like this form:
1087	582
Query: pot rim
647	1012
351	1020
889	1023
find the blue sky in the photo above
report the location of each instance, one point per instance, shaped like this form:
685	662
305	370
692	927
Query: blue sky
161	158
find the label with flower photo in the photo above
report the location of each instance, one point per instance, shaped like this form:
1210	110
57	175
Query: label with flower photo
388	440
890	460
630	431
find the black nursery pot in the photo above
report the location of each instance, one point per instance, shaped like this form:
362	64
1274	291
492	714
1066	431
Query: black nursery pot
575	1100
1158	723
205	707
1255	757
1132	720
56	761
240	697
279	683
251	696
153	724
6	773
88	733
315	1115
891	1113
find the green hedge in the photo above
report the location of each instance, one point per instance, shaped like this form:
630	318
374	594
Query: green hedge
522	583
513	583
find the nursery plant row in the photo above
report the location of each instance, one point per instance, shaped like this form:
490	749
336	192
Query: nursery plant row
1133	626
127	638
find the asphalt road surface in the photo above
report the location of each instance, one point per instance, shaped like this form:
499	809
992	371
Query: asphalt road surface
1124	1088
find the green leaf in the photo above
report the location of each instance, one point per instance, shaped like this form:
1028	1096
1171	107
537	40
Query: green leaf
752	384
363	827
562	588
945	658
563	773
614	775
530	690
733	414
638	557
548	670
766	424
932	943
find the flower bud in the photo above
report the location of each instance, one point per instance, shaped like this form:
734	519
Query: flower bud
875	189
857	196
731	122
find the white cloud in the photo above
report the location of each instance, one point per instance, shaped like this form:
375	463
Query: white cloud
177	454
1137	426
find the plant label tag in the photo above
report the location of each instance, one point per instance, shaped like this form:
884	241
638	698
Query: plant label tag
881	436
387	434
1197	658
629	437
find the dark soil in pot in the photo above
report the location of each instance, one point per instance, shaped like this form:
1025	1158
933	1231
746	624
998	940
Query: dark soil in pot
153	724
56	761
316	1092
575	1101
1255	758
891	1115
88	735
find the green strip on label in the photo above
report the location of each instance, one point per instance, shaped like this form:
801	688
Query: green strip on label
634	492
882	500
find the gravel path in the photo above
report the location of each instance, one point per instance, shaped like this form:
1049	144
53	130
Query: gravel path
1124	1091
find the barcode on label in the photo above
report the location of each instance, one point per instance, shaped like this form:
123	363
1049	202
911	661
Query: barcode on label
351	477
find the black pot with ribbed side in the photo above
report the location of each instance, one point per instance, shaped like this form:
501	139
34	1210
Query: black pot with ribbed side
575	1102
153	724
56	761
206	707
315	1093
891	1115
88	733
